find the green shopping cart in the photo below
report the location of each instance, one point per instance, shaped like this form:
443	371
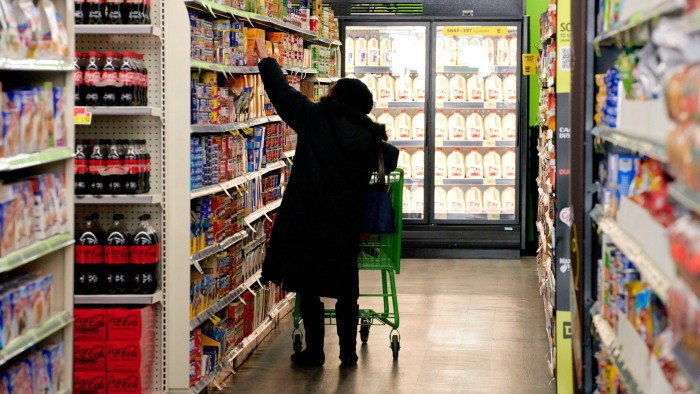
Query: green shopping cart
378	252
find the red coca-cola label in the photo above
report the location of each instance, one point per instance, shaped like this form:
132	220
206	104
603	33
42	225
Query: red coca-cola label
125	383
126	356
89	383
81	166
116	255
89	254
147	254
90	325
131	166
128	324
110	78
92	77
114	167
79	77
89	356
97	166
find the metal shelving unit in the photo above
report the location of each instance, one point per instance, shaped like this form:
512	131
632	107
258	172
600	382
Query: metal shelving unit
241	180
35	251
35	65
119	29
224	301
27	160
119	299
121	199
56	323
609	341
224	128
629	140
125	111
680	192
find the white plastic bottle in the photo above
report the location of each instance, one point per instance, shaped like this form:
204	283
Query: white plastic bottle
440	200
473	200
492	200
403	126
510	126
442	87
373	51
440	164
493	128
508	200
510	89
513	51
455	164
474	165
418	164
419	88
360	51
455	200
502	52
404	163
417	198
441	125
404	90
477	53
388	121
458	88
385	51
475	127
475	89
456	126
439	52
508	164
494	89
386	89
465	51
492	165
349	51
418	126
450	51
407	206
371	82
490	50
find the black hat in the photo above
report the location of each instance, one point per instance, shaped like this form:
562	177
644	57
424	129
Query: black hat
354	94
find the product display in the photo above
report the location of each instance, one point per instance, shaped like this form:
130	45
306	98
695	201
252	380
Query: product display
26	302
217	100
41	370
112	12
110	79
112	167
33	31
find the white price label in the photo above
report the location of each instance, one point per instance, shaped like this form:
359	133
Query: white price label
490	182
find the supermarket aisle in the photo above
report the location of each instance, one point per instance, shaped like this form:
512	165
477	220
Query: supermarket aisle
466	326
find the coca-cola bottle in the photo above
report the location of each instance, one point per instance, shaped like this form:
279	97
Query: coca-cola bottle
93	79
96	9
114	12
145	167
132	168
82	176
115	168
89	256
135	12
81	11
145	254
111	95
97	168
117	257
147	12
128	78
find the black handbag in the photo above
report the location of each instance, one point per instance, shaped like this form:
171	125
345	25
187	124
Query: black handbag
379	214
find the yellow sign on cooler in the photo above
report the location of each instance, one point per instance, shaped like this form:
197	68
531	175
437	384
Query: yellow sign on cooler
529	64
500	31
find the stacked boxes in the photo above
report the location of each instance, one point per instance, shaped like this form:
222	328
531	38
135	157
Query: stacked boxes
39	372
215	218
216	159
235	100
221	274
25	302
287	49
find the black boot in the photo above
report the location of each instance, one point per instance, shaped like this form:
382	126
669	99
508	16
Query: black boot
311	310
347	316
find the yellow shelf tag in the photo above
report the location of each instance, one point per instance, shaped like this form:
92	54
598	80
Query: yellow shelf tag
490	105
439	104
529	64
489	144
490	182
81	116
494	216
382	104
438	181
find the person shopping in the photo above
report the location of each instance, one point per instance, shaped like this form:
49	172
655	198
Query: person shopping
315	241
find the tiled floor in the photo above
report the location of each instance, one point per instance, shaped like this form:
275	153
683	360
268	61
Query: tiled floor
467	326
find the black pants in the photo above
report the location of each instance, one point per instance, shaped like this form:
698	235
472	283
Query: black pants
347	316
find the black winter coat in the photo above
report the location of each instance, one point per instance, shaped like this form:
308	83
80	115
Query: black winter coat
314	243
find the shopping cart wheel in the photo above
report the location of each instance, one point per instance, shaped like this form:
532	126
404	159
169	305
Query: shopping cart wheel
395	346
364	330
297	342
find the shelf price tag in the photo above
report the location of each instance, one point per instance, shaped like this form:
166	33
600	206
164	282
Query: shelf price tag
489	144
493	216
438	143
490	182
382	104
439	104
349	68
440	68
81	116
441	216
438	181
490	105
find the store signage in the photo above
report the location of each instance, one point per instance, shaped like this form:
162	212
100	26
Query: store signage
81	116
475	31
529	64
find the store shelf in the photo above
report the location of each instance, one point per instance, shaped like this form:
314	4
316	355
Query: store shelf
609	342
476	144
35	65
474	216
476	70
216	248
254	245
316	79
399	105
27	160
121	199
225	128
263	211
681	193
55	324
468	182
224	301
35	251
200	65
327	41
649	270
414	181
247	345
300	70
408	143
629	140
688	366
124	111
290	154
615	35
118	29
368	69
119	299
466	105
219	188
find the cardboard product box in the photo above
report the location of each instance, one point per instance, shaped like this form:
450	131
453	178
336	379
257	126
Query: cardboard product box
54	360
90	382
129	382
89	356
130	356
131	324
90	324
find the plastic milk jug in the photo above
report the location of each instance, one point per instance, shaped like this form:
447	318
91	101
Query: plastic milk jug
475	127
490	49
404	90
419	88
404	163
475	89
492	200
385	48
458	88
440	164
456	126
385	89
417	199
494	89
440	126
455	200
513	51
388	121
439	52
492	127
450	51
508	200
360	51
403	126
492	165
508	162
455	164
418	164
418	126
502	52
510	89
442	86
510	127
440	200
349	51
371	82
475	165
407	206
465	51
373	51
473	200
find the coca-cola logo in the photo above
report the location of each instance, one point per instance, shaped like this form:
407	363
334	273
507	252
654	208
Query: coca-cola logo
93	352
116	239
128	382
93	383
129	351
124	321
94	321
